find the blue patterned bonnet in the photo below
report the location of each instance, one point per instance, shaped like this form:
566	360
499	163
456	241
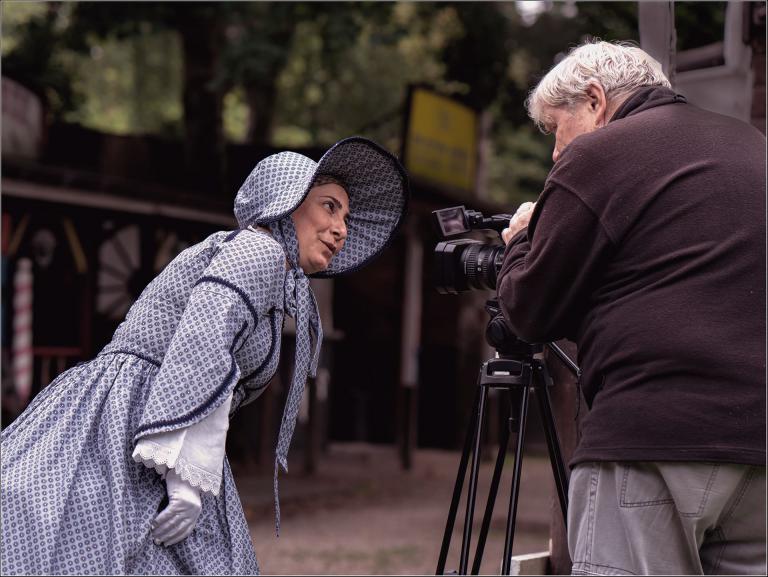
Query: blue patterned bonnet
378	196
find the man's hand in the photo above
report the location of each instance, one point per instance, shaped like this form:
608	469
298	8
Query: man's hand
176	521
519	221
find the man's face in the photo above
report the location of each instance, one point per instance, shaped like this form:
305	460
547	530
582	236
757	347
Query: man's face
568	122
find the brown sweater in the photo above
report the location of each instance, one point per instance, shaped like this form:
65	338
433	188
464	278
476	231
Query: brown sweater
647	248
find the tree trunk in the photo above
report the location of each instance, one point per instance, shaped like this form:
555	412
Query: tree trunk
261	92
261	111
204	138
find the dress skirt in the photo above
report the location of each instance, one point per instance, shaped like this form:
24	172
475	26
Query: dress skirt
75	502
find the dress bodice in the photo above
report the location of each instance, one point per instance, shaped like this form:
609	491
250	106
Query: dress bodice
223	296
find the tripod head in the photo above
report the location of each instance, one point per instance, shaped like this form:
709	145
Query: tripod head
499	335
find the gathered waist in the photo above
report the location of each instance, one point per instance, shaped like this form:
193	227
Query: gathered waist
109	350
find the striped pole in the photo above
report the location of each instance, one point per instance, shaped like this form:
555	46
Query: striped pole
22	330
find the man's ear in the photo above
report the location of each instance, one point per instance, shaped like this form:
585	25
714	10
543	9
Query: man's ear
592	99
598	103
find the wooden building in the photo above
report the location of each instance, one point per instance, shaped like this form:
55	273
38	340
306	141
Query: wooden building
98	216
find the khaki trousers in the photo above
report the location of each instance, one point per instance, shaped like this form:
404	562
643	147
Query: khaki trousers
667	518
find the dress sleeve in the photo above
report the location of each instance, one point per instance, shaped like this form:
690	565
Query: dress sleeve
547	275
196	452
199	371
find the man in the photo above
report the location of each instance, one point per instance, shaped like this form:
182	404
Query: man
647	248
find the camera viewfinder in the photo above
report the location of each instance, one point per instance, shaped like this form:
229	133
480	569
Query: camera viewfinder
452	221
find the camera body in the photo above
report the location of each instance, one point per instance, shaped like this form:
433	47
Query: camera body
465	264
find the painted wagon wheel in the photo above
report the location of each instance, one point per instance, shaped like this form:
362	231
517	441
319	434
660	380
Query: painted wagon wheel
119	262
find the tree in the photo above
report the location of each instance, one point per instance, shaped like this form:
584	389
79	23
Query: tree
200	27
33	59
260	42
308	73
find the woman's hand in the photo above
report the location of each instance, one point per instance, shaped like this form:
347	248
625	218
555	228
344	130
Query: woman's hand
177	520
519	221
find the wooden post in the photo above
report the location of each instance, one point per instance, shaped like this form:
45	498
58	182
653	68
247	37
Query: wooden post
316	415
566	402
311	448
656	21
411	342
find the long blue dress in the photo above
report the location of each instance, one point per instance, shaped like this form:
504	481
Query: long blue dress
208	326
207	329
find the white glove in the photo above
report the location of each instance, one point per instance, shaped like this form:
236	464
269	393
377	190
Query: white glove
176	521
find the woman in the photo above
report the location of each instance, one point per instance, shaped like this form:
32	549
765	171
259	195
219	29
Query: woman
118	466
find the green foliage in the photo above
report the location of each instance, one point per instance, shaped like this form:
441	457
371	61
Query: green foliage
33	55
235	116
521	156
307	73
137	88
15	15
110	66
699	23
478	57
361	89
258	41
518	165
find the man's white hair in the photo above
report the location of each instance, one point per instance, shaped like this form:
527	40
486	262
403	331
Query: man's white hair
618	67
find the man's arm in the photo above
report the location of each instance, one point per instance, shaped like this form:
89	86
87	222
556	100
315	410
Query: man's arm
548	274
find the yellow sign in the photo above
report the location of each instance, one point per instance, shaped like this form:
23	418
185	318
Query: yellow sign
441	144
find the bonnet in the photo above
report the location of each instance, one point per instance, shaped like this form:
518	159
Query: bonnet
378	196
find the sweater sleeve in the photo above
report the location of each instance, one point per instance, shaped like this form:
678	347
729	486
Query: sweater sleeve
546	277
199	370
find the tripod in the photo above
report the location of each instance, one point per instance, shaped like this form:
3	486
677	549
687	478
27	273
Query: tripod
517	372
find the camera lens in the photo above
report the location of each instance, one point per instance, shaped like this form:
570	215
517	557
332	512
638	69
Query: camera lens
480	265
465	264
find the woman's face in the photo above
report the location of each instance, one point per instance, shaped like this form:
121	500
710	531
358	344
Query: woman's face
321	226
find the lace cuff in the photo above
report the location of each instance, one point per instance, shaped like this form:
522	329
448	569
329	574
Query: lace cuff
196	452
155	456
197	477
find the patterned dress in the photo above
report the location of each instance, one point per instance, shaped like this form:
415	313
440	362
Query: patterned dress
74	500
80	482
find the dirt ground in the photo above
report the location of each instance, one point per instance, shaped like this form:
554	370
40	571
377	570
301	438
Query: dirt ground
361	514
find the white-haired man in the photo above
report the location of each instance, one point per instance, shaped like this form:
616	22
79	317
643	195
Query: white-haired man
647	248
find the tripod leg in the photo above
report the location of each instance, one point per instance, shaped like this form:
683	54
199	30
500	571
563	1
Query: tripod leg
503	445
461	474
512	514
472	494
553	444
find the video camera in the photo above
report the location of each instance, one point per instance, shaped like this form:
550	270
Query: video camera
464	264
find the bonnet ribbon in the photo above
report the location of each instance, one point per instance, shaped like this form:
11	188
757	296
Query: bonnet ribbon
300	303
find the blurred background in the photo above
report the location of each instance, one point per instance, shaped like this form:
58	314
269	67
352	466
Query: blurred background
127	129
